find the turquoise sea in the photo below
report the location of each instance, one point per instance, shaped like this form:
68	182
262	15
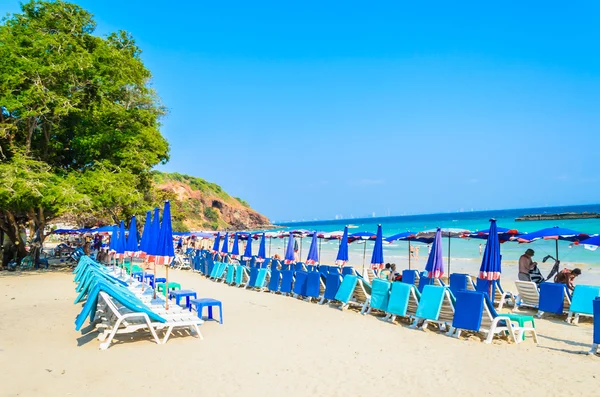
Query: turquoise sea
461	249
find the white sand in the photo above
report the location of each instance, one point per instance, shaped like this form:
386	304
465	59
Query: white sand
272	345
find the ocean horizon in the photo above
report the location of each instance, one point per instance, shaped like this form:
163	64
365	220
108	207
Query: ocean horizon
463	249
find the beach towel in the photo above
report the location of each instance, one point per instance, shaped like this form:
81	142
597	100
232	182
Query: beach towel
583	298
332	284
552	297
344	293
380	293
313	284
431	301
458	282
468	310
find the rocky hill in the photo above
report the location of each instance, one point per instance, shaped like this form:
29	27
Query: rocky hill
201	205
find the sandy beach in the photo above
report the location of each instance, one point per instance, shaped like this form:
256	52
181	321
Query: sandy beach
272	345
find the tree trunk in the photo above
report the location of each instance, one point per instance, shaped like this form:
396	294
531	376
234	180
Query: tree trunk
31	126
10	226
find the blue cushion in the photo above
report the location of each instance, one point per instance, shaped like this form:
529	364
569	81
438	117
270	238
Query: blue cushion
431	301
332	284
583	298
261	278
300	283
313	284
287	278
596	305
458	282
409	276
253	275
275	280
552	297
468	310
344	293
399	298
347	270
380	294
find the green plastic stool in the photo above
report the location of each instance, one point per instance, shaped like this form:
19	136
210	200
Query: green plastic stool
521	319
172	286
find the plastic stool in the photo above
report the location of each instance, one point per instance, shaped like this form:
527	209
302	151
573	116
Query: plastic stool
209	303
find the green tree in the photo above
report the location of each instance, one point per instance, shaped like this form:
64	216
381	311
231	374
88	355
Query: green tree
77	111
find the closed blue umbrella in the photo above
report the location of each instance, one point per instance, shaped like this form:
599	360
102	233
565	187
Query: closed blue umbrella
342	255
216	244
491	263
225	249
235	250
153	238
121	241
145	242
164	249
553	233
377	257
112	245
132	246
313	252
248	251
289	252
435	262
262	249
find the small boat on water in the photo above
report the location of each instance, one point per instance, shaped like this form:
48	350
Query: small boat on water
352	227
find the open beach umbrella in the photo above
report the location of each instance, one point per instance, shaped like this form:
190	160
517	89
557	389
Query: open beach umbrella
553	233
248	251
404	236
235	250
591	243
377	257
262	251
435	261
164	249
289	252
342	256
225	247
504	234
491	263
447	232
364	237
313	253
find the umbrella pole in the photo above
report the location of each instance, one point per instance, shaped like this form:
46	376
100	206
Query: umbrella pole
143	274
449	255
167	294
320	250
270	247
408	254
364	255
154	282
557	248
301	238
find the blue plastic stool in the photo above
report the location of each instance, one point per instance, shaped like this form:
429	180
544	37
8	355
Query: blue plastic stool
150	279
209	303
137	275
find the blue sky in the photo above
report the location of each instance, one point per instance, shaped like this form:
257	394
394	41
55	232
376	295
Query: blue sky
317	109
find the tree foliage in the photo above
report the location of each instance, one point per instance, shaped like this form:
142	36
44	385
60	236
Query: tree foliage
79	121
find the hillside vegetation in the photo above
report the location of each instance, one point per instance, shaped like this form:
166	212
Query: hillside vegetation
201	205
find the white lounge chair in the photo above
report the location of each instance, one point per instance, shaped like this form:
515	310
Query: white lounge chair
528	295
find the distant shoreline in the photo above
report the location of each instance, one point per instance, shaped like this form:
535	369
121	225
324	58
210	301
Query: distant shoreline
561	216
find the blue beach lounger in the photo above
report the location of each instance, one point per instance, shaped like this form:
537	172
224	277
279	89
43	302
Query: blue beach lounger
300	283
261	279
475	312
458	282
287	279
596	340
582	302
380	293
314	285
554	298
275	280
436	305
410	276
403	301
253	275
332	284
352	292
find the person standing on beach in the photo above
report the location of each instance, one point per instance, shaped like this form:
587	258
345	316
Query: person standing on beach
526	264
417	248
480	249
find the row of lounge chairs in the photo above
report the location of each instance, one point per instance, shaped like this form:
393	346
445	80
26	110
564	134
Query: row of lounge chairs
116	307
419	300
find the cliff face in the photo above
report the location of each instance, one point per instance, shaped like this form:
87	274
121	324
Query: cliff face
201	205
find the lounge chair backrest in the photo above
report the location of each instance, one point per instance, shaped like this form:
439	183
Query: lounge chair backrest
346	289
400	299
324	269
583	298
410	276
596	306
380	294
253	275
275	280
347	270
261	278
287	278
431	302
528	293
300	283
299	266
552	297
468	310
332	284
458	282
313	284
